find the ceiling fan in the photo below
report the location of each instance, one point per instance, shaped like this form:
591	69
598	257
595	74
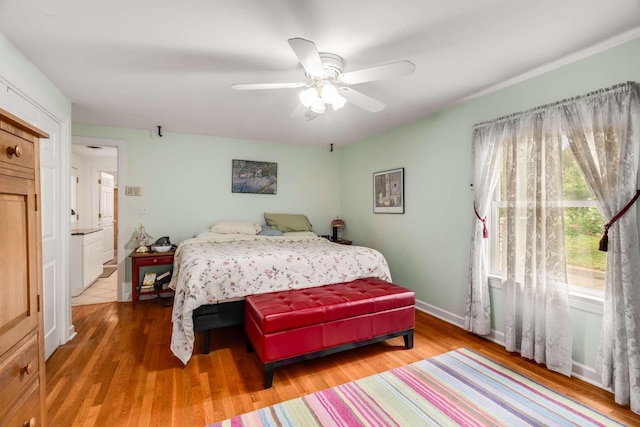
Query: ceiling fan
328	84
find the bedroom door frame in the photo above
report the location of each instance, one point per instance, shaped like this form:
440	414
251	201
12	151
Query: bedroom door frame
121	217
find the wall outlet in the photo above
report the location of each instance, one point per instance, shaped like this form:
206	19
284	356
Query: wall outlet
132	191
142	210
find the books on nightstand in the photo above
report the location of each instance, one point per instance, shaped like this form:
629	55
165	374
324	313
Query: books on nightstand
153	281
148	281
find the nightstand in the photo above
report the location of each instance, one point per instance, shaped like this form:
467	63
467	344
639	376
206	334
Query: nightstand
146	259
340	241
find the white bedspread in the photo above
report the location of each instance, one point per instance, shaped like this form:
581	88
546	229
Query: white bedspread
215	268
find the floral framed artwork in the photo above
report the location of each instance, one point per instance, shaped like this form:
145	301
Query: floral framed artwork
248	176
388	191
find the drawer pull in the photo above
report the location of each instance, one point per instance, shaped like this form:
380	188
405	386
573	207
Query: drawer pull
30	423
14	151
155	261
28	369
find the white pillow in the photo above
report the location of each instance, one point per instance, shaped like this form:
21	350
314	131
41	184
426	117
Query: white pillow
235	227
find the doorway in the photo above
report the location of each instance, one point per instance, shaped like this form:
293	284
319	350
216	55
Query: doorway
97	164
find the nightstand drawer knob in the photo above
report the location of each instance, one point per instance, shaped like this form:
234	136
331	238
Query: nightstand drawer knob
27	369
155	261
30	423
14	151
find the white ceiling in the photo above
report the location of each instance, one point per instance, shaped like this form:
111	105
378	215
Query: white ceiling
143	63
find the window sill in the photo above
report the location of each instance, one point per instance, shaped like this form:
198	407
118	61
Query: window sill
586	299
579	298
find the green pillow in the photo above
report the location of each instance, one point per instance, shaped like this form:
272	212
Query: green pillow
288	222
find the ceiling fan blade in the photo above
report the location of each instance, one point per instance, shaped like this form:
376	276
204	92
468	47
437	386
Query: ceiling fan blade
307	53
261	86
361	100
378	73
299	111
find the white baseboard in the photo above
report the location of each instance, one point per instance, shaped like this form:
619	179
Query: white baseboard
580	371
72	333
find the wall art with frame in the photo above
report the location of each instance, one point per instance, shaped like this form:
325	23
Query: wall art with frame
388	191
248	176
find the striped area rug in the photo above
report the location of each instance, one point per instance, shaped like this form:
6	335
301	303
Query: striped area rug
456	388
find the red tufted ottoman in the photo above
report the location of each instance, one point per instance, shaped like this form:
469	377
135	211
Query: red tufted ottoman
289	326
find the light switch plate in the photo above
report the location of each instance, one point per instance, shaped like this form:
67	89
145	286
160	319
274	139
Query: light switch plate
132	191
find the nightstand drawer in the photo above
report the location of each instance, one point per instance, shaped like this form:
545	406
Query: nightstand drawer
17	369
155	260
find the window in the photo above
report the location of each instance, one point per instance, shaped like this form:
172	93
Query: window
583	227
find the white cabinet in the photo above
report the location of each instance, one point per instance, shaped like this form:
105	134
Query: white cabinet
86	259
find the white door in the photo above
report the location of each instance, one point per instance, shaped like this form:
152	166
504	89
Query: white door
74	196
52	241
52	263
106	216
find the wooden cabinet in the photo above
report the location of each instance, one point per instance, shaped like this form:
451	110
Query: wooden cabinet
22	381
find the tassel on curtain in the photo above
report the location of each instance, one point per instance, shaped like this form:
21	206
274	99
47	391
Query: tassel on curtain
604	241
485	230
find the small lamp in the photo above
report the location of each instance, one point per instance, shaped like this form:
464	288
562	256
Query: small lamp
336	223
141	237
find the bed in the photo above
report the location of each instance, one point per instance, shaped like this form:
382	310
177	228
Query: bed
214	269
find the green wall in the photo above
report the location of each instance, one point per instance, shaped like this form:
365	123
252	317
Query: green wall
428	247
186	181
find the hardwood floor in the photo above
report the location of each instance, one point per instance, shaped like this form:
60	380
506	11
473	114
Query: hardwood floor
119	371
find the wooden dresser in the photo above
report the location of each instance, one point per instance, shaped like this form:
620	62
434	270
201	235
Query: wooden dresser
22	369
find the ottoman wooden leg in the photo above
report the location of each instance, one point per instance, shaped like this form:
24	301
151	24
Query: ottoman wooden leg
268	374
408	340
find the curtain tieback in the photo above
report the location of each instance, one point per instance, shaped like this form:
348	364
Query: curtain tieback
604	241
485	230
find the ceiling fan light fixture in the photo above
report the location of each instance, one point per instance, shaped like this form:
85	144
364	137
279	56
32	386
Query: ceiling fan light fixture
329	93
328	83
338	103
318	106
309	96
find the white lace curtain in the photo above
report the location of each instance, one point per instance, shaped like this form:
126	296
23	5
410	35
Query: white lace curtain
487	152
603	132
537	317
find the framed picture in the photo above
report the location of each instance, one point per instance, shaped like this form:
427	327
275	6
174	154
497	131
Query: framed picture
388	191
254	177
